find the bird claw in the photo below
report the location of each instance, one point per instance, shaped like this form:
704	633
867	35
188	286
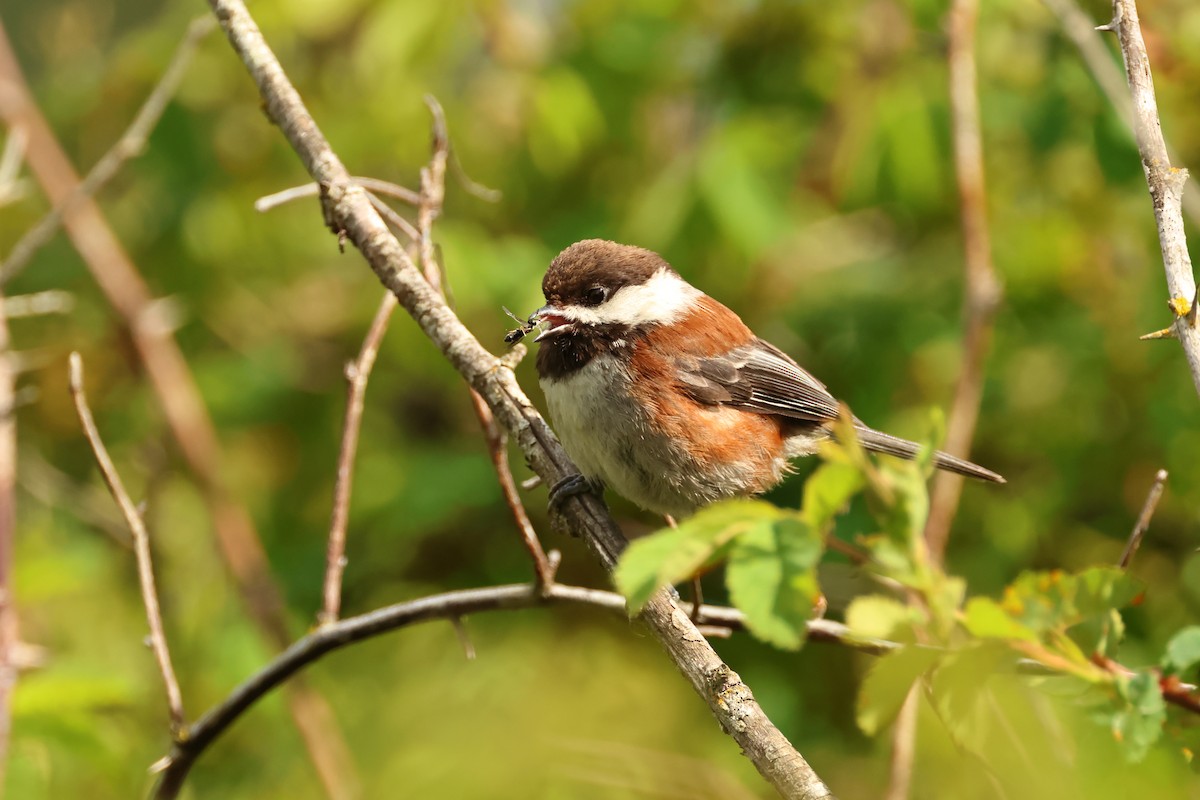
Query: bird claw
572	486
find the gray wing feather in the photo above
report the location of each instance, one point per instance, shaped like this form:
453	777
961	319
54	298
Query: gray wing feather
758	377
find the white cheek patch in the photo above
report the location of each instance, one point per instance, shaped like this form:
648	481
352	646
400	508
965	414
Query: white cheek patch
663	299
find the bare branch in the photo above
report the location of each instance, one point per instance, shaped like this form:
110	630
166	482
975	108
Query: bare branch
348	208
982	292
1143	520
1165	181
141	545
358	372
177	393
128	146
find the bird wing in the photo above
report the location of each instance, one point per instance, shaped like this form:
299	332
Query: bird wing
757	377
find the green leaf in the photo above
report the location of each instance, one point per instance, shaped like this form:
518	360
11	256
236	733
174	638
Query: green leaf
1057	600
827	491
1183	651
772	578
879	617
963	693
1102	589
887	685
1139	724
987	619
676	554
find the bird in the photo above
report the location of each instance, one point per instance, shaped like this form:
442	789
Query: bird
662	394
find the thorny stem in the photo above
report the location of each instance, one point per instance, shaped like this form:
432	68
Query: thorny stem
1164	181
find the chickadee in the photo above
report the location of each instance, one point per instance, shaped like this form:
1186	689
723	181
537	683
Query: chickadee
663	394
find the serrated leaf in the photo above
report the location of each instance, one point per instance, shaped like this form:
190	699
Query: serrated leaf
676	554
986	619
1139	724
887	685
1183	651
827	491
772	578
878	616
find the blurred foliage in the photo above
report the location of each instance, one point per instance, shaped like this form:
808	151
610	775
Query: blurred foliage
791	159
966	662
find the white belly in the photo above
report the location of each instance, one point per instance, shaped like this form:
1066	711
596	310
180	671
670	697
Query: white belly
608	437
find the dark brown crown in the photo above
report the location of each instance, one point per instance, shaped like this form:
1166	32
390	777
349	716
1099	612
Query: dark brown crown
597	262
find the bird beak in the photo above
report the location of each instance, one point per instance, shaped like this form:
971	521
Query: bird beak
558	322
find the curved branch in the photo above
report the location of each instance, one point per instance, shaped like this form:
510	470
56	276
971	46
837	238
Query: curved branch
446	606
348	209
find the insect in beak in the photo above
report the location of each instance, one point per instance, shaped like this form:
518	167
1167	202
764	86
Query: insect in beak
525	327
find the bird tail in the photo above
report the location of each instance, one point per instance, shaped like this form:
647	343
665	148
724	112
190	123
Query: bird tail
879	442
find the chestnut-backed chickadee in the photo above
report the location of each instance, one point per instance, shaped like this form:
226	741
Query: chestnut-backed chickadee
664	395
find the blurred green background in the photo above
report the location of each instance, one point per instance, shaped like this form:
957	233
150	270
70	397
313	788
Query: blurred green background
789	158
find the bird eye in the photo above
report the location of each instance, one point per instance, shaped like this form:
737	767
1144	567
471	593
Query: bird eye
595	295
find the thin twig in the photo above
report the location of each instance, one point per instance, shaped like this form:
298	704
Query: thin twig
374	185
1143	520
358	372
8	476
1165	181
186	416
982	292
348	211
544	566
393	218
433	193
141	545
131	144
